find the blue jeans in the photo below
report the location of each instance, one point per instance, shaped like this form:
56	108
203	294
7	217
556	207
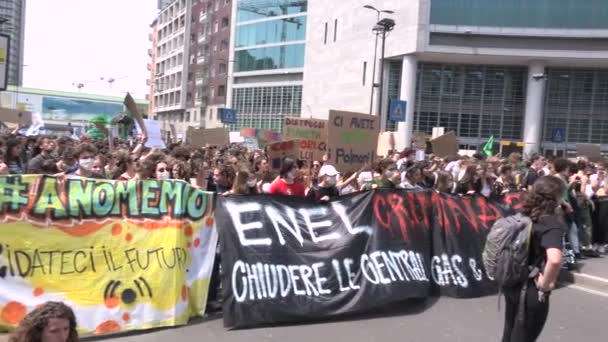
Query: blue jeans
573	238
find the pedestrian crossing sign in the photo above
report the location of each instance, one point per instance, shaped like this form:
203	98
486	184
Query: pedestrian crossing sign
559	135
397	110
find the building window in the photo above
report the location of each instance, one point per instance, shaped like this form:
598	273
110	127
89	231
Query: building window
266	9
222	68
216	26
273	31
224	45
276	57
325	35
221	91
225	22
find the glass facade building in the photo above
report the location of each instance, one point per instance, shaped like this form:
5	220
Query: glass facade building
270	35
474	101
260	107
13	12
577	101
558	14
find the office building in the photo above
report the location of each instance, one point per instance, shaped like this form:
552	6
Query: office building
267	65
12	23
189	67
519	71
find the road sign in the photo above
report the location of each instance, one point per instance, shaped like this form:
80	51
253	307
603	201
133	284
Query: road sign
228	116
397	110
559	135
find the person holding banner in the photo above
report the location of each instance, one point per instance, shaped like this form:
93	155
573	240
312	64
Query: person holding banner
287	184
13	160
245	183
51	322
86	161
390	178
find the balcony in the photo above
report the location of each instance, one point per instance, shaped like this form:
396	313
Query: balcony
148	82
149	67
201	59
150	37
150	52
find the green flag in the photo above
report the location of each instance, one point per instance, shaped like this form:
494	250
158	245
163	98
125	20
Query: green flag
487	149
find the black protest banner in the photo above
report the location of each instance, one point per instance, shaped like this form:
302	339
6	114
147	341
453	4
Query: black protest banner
288	259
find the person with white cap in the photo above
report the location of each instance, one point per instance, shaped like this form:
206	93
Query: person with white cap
327	187
329	184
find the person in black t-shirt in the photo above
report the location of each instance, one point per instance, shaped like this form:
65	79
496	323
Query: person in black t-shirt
327	188
545	256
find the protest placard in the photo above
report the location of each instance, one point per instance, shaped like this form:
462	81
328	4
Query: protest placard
12	117
352	139
235	137
155	137
591	151
445	145
199	137
313	131
132	107
386	143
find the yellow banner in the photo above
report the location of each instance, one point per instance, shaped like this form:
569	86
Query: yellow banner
124	255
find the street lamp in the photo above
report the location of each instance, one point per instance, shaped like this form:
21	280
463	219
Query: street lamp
370	7
382	27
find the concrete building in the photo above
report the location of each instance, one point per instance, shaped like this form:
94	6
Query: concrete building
520	71
189	68
12	23
151	82
266	75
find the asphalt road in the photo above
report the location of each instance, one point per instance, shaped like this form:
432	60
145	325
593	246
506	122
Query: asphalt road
575	316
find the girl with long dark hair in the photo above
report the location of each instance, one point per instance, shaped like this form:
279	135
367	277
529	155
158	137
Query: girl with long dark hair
546	243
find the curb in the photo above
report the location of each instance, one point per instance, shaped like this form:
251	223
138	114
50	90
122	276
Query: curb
584	281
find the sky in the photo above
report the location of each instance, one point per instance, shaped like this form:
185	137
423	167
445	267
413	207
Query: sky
80	41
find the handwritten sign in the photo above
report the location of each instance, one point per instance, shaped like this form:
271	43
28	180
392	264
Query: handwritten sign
199	137
445	145
313	131
353	139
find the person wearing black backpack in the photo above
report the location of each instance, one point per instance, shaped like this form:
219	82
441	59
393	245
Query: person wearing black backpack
525	323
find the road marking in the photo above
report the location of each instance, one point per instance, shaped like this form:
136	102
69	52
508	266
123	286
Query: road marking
584	289
592	277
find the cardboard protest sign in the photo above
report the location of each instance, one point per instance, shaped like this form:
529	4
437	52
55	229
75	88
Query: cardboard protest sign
314	131
352	139
155	137
278	151
591	151
132	107
235	137
386	143
445	145
199	137
11	117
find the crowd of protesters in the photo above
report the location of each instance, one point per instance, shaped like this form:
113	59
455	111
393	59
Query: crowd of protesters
234	170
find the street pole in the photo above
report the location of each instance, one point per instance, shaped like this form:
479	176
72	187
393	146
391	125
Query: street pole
371	99
381	84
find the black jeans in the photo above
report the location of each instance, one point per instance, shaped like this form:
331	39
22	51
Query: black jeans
535	315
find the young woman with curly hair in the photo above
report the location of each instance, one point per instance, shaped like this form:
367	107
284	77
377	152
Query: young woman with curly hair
52	322
546	243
